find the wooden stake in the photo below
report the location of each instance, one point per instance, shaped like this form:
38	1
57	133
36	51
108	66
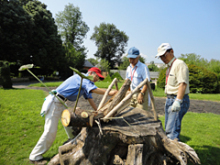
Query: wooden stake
106	93
152	101
115	109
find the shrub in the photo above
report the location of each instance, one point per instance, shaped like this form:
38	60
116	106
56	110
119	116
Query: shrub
107	78
161	78
202	80
5	79
116	75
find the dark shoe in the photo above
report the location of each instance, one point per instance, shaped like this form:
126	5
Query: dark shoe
39	162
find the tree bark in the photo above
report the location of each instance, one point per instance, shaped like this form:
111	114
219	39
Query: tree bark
132	137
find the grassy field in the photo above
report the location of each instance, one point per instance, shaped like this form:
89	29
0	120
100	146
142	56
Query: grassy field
21	126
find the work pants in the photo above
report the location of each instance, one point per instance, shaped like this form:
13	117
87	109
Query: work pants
50	129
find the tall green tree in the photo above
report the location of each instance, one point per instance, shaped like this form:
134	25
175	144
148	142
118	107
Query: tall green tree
72	28
111	43
45	46
15	31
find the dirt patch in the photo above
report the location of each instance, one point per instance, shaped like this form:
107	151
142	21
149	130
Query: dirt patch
196	106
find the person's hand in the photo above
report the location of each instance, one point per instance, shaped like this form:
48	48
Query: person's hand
112	93
140	98
176	106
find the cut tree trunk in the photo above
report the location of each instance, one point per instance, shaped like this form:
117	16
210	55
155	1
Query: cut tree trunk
132	136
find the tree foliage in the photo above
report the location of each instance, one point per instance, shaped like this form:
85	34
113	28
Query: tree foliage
5	79
29	35
194	59
15	31
110	41
45	45
152	67
124	64
104	65
71	27
72	30
93	61
161	78
201	80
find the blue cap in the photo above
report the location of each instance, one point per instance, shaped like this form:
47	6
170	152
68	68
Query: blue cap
133	53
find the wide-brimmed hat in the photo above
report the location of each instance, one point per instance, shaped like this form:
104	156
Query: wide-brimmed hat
162	49
133	53
97	71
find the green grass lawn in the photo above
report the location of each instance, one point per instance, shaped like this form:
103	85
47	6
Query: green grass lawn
21	126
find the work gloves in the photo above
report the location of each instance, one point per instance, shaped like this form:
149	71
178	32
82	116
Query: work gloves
176	106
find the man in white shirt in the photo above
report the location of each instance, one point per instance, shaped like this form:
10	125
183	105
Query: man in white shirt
176	89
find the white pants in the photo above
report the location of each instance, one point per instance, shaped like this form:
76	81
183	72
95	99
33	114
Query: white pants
50	129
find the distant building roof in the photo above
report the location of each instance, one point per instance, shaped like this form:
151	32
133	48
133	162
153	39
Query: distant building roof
87	64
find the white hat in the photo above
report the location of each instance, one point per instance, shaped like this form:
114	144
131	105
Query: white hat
162	49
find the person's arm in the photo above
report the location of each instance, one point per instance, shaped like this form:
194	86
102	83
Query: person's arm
92	103
179	98
181	91
141	94
102	91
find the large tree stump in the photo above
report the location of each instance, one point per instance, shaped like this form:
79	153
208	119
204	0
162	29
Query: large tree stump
133	137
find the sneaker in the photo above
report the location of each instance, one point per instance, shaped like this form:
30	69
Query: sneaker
38	162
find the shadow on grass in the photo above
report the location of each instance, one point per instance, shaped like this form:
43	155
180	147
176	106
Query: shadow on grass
208	155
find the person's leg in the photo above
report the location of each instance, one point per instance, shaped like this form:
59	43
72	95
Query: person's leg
184	108
173	123
170	119
50	129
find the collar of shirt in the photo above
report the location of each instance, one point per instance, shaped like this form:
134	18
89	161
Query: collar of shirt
169	64
138	63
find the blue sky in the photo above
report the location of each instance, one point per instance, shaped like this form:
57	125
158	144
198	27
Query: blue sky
190	26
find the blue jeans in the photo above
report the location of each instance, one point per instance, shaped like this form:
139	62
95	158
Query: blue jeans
173	119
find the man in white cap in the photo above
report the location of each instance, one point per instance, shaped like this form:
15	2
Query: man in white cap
176	89
137	72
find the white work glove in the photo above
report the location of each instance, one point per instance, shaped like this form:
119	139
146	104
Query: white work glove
176	106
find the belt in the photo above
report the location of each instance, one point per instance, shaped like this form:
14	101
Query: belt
171	96
61	97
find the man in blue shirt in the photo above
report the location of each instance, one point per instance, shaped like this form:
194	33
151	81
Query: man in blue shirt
137	72
53	108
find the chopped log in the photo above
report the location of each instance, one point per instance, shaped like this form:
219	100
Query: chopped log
81	118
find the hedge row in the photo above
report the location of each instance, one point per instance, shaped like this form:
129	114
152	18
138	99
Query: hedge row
201	80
